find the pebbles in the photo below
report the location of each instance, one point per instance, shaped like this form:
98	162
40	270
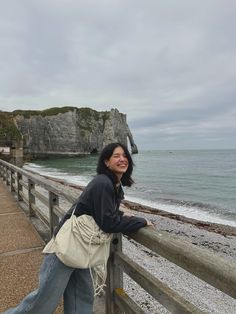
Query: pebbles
206	297
215	238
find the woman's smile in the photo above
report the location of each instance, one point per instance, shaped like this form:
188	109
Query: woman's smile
118	162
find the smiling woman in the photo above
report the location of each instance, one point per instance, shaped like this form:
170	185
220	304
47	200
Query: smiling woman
118	162
100	200
115	160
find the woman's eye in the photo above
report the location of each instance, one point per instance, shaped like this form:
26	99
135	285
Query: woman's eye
118	156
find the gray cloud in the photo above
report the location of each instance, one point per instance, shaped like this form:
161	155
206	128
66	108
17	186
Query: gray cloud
169	67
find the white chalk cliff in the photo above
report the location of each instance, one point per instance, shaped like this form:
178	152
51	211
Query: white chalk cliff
71	130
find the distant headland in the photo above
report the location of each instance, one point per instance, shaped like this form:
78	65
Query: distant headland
62	131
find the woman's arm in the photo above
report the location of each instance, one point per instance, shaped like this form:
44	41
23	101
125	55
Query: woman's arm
106	214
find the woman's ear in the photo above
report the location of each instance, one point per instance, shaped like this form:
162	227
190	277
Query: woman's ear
107	163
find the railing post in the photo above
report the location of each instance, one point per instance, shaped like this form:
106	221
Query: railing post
114	276
12	181
31	197
19	186
1	170
5	174
9	176
53	219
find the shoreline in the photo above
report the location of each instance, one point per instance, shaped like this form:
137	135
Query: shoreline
225	230
218	239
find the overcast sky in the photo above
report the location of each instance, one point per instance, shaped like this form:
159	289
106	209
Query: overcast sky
170	65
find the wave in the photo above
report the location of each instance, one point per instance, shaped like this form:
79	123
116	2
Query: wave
194	210
31	165
194	204
54	173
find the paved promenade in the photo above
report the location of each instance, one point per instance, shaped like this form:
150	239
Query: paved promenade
20	254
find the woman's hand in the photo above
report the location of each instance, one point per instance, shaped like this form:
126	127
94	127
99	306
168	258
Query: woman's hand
128	214
149	223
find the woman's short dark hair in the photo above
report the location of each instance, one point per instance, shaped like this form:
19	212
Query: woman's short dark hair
106	153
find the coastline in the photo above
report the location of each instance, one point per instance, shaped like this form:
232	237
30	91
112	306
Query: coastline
219	239
225	230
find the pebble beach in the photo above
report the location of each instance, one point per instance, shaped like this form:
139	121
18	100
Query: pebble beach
206	297
216	238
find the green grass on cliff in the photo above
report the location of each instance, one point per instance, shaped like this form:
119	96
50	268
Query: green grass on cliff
84	112
44	113
8	129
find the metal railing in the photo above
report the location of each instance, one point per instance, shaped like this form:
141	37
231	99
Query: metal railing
210	267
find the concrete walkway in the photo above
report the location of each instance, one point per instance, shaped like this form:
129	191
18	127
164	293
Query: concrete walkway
20	254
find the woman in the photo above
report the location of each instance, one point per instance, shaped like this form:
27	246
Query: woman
100	199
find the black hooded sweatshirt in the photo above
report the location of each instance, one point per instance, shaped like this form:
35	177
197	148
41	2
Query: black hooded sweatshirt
101	200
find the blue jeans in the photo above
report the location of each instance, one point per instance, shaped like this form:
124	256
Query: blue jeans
56	279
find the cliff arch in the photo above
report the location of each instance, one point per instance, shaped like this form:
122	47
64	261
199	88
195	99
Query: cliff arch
71	131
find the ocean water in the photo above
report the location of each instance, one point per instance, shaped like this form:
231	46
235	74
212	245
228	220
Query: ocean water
200	184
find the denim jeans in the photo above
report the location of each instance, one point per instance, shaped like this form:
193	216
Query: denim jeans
56	279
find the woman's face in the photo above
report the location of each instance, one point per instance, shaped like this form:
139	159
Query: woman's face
118	162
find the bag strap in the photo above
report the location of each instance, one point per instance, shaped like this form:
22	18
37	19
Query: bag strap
73	210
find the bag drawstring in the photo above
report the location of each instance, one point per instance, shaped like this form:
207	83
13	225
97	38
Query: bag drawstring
95	274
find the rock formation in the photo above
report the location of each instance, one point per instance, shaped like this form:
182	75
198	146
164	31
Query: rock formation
71	131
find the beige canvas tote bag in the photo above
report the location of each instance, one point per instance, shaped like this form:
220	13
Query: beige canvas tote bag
80	243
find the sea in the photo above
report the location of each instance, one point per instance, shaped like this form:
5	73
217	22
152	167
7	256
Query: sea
199	184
